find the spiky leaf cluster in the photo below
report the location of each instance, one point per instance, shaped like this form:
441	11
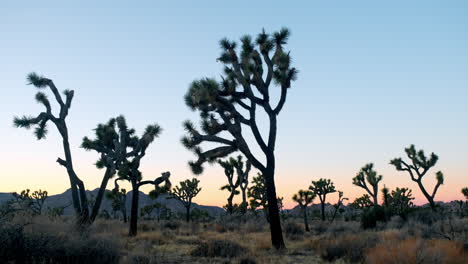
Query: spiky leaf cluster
363	202
304	198
40	121
186	191
367	175
258	192
322	187
245	85
465	192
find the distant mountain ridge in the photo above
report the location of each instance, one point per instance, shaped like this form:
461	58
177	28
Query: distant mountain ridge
65	198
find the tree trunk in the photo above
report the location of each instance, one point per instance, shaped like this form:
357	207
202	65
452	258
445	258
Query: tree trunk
244	202
306	224
428	197
230	207
187	214
100	195
124	214
134	211
323	210
273	211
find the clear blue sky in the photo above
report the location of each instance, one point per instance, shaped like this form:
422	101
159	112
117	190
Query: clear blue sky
374	77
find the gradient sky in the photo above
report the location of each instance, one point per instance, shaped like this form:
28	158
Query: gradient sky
375	76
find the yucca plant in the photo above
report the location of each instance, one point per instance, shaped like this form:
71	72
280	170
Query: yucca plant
235	101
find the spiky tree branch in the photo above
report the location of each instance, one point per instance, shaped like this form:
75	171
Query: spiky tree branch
367	175
417	168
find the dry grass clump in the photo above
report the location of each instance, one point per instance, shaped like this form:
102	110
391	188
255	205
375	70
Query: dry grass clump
20	245
417	250
219	248
350	247
293	231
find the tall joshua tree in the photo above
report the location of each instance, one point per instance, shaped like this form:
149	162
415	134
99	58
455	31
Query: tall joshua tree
185	193
417	168
232	185
80	202
228	106
304	198
321	188
368	179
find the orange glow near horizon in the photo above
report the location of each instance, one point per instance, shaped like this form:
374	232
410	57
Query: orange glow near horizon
53	178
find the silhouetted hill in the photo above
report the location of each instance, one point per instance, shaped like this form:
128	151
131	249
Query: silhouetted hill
65	199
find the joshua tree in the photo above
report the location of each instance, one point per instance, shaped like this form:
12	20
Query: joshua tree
304	198
227	106
118	199
131	173
33	202
107	144
80	201
465	192
232	185
257	194
417	168
400	201
385	196
362	202
244	183
321	188
338	205
367	173
184	193
133	148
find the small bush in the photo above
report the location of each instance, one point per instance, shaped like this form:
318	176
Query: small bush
293	231
349	247
219	248
172	225
20	246
370	217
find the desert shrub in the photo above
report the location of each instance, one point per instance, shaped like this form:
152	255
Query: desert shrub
21	246
424	215
340	228
351	247
293	231
219	248
370	217
319	227
172	225
416	250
